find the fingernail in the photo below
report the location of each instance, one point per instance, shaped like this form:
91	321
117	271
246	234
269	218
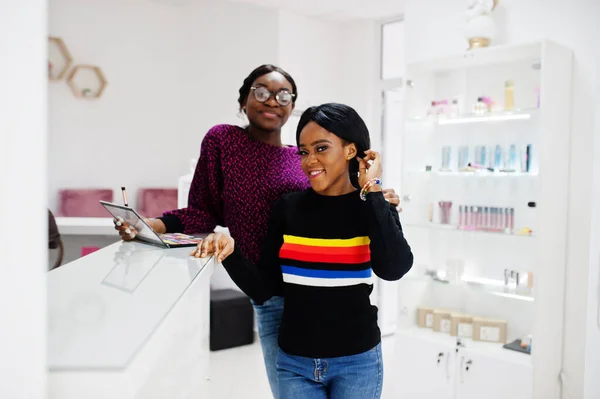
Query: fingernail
127	231
119	224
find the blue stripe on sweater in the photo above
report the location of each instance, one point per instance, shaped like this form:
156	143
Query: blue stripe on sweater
298	271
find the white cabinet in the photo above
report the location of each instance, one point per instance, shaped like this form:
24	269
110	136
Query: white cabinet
428	365
480	376
423	369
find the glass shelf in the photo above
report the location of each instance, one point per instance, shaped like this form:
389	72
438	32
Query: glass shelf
485	286
492	287
497	116
475	174
454	229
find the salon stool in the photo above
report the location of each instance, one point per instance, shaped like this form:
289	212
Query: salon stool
231	319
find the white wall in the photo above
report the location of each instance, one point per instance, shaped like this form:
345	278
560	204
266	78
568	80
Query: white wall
330	62
23	124
223	43
359	72
433	28
173	72
592	358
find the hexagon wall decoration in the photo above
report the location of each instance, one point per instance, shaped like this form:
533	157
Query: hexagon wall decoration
59	58
87	81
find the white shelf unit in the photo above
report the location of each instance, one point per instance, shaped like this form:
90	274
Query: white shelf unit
87	226
538	196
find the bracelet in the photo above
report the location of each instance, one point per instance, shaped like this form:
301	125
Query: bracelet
365	190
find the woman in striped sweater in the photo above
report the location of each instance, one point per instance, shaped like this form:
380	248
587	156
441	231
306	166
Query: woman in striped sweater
322	247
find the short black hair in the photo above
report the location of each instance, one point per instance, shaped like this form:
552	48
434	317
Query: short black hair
343	121
257	73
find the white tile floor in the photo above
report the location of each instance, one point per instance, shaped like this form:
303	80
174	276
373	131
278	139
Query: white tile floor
239	373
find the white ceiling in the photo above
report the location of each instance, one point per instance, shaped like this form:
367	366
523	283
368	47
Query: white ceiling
337	9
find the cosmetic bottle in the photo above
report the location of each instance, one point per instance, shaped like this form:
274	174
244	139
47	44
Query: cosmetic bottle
454	110
509	95
446	150
498	157
512	158
479	107
432	109
482	155
512	221
486	218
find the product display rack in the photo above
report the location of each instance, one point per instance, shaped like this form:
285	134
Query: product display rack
484	179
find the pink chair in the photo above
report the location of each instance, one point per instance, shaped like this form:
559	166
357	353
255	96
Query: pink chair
84	202
153	202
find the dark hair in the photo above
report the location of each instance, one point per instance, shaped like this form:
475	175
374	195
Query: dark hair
257	73
344	122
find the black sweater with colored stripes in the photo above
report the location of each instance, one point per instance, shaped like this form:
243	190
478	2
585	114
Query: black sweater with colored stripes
319	254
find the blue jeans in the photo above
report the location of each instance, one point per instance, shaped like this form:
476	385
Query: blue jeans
348	377
268	319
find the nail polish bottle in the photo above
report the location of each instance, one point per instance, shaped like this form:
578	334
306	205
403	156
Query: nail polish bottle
486	220
512	220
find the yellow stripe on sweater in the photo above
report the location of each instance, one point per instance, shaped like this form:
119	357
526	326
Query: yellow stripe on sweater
327	242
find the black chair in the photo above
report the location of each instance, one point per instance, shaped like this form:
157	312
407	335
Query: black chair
54	240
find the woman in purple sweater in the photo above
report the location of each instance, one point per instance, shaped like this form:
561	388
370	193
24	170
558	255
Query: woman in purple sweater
241	173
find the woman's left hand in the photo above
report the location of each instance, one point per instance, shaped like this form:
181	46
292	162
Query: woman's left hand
390	195
370	168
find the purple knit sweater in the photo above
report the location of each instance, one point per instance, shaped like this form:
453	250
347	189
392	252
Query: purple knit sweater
236	183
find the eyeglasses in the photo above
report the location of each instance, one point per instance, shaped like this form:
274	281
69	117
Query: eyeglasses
262	95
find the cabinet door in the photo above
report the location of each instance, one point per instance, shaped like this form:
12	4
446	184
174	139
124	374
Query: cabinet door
491	378
421	369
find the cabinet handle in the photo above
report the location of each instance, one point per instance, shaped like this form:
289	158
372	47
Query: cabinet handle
462	363
469	364
448	366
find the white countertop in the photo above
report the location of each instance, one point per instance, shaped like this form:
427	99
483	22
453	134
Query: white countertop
104	306
85	226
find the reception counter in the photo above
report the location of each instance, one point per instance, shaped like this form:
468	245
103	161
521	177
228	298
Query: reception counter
129	321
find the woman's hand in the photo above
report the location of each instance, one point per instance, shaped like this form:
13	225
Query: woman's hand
128	232
390	195
369	168
218	244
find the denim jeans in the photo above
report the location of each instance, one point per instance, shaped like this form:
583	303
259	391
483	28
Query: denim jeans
268	319
348	377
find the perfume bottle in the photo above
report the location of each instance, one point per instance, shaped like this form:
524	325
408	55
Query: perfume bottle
509	95
479	107
432	109
454	109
